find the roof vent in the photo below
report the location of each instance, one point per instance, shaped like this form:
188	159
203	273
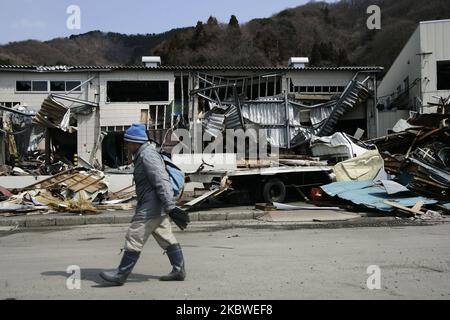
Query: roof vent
151	61
298	62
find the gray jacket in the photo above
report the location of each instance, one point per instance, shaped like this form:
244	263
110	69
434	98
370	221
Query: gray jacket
153	188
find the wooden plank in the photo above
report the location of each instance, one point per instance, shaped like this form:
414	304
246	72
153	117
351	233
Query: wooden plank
82	179
406	209
86	186
79	181
47	179
417	206
119	206
54	183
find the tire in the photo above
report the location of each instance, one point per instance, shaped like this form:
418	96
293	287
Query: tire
274	190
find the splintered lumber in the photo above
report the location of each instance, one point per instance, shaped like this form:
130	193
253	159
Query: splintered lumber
83	187
118	206
122	194
31	186
414	210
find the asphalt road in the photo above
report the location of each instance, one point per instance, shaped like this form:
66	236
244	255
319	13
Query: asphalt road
234	263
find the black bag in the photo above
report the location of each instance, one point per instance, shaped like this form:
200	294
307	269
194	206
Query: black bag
180	217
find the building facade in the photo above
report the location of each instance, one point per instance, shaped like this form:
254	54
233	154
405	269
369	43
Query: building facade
419	75
160	96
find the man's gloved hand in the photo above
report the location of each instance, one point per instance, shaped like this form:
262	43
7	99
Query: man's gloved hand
180	217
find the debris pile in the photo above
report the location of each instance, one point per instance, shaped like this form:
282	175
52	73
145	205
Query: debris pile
419	156
411	174
73	190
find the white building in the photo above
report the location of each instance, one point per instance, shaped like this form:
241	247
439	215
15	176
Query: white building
420	73
156	95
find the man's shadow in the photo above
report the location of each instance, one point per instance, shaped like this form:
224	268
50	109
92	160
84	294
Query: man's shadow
92	275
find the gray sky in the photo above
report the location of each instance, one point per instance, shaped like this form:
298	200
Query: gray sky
46	19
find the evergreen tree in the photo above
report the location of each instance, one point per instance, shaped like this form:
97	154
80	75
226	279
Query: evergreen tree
212	21
326	14
234	23
198	37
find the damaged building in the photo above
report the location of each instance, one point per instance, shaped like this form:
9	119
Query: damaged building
84	110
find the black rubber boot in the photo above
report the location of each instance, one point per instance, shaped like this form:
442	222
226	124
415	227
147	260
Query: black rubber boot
176	260
120	275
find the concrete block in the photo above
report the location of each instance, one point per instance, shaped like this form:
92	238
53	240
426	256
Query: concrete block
240	215
40	222
193	216
99	219
212	216
12	222
71	221
122	219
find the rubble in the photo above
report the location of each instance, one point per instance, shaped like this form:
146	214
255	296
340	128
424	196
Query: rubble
338	147
372	196
278	115
73	190
419	157
417	163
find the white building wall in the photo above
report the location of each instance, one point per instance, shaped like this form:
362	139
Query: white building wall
435	46
320	78
407	64
123	113
418	60
34	99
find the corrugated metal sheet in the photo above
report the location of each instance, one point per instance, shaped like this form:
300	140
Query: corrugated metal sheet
180	68
318	115
265	113
372	196
52	114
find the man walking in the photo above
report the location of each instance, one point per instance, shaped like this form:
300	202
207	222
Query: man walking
155	201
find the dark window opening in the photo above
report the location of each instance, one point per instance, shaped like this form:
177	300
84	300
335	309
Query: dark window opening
137	91
443	75
23	85
255	90
181	99
57	86
291	86
271	88
114	152
39	86
350	126
70	85
262	88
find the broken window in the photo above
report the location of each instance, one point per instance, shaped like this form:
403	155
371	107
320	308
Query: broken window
181	97
443	75
137	91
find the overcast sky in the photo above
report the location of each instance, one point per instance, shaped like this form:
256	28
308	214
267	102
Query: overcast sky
46	19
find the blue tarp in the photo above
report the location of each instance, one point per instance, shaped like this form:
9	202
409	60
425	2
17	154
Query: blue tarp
368	194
